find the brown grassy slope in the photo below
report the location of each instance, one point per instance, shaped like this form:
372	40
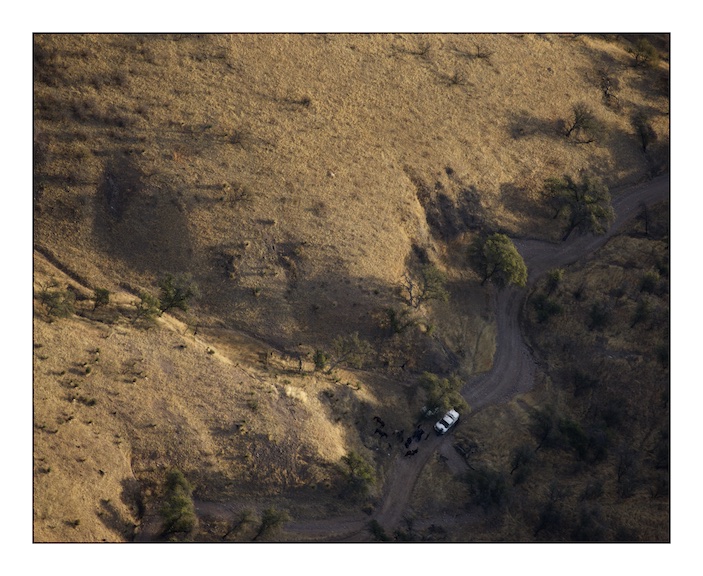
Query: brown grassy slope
292	176
116	406
145	144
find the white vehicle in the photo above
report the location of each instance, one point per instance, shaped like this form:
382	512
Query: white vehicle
447	421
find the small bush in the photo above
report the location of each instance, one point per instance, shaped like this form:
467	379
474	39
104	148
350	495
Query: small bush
359	473
644	130
377	531
583	124
176	291
599	316
271	521
101	297
554	278
148	307
57	303
431	285
488	488
320	359
649	281
443	393
546	308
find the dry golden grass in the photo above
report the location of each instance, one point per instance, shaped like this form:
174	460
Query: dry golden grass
293	176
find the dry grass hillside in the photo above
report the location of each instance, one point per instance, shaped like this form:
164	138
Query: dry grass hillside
300	180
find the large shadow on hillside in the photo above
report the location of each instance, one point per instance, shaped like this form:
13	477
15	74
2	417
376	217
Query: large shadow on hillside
309	309
144	226
451	206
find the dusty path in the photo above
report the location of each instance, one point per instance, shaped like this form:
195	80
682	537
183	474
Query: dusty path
512	373
513	367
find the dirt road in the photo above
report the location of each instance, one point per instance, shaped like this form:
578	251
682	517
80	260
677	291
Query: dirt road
513	367
512	373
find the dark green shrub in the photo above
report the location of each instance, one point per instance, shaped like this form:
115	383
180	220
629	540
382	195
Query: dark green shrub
57	303
320	360
599	316
360	475
575	436
545	307
431	285
488	488
649	281
350	350
586	204
582	124
178	509
497	259
554	278
101	297
272	520
443	393
643	129
379	534
148	307
176	291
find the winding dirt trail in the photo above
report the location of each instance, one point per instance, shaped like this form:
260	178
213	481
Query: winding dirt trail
512	372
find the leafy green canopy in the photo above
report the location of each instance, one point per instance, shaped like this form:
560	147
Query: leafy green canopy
443	393
176	291
499	260
360	474
587	205
178	509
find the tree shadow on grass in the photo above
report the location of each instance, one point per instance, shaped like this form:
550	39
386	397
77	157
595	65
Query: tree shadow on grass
141	224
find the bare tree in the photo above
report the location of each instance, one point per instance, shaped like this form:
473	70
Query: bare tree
583	123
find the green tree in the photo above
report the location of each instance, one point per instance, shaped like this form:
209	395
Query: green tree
546	307
350	350
521	456
272	520
643	312
599	315
443	393
431	285
587	205
238	524
398	321
148	307
57	303
176	291
498	260
178	509
359	473
320	359
101	297
543	426
488	488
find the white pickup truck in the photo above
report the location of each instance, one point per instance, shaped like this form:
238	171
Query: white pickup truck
446	422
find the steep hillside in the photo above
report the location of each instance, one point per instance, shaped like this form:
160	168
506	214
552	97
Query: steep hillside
301	181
